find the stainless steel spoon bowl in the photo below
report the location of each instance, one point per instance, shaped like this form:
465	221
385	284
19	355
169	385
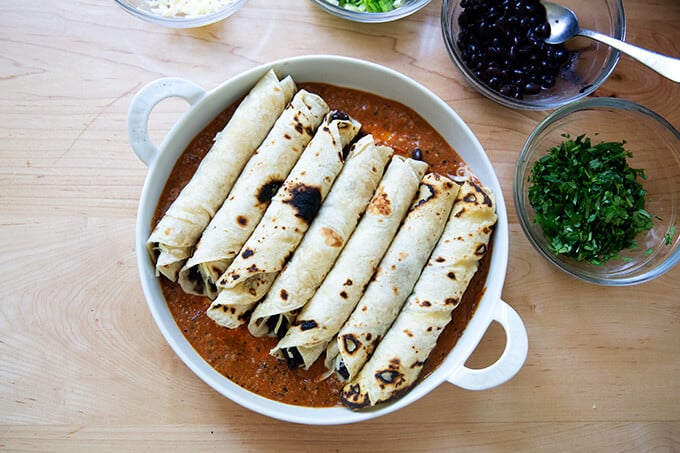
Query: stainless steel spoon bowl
564	25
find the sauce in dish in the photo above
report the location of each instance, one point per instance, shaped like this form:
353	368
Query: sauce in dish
245	359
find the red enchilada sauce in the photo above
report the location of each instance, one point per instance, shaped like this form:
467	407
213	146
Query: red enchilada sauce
245	359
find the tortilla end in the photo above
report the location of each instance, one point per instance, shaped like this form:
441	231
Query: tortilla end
352	397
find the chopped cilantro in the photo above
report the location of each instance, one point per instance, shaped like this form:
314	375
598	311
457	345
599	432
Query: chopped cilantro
588	200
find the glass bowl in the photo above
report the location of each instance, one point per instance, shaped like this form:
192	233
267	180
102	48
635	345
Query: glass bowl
655	148
591	62
409	7
142	10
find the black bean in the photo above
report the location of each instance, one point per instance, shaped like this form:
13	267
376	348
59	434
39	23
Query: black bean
532	88
493	71
507	89
417	154
548	80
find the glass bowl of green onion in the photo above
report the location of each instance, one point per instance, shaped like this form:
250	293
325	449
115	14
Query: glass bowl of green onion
597	191
371	11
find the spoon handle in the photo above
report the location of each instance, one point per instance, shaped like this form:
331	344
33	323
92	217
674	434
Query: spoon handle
666	66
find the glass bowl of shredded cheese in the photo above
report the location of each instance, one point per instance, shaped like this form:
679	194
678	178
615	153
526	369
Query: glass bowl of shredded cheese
181	13
371	11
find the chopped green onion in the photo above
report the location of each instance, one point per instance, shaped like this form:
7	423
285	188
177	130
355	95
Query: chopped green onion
370	6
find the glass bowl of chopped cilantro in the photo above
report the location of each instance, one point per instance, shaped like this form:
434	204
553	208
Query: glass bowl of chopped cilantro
181	13
371	11
597	191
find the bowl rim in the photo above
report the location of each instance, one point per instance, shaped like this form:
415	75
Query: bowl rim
519	185
372	18
182	22
527	104
362	72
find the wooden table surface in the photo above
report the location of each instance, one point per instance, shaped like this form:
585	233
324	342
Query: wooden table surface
82	364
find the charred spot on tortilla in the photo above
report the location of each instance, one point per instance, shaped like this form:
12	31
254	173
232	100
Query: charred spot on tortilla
470	198
440	259
332	238
350	343
253	268
481	249
242	220
460	213
389	377
306	325
486	198
233	276
380	205
283	294
417	364
354	398
343	294
267	191
433	193
407	332
451	301
306	200
247	253
451	275
425	303
348	282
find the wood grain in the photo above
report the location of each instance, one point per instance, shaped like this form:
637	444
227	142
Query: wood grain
82	364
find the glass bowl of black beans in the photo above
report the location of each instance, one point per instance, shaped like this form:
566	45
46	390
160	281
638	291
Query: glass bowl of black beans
499	47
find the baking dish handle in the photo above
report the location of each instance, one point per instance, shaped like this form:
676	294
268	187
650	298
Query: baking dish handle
144	102
510	361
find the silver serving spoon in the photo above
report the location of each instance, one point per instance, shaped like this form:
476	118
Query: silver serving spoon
564	25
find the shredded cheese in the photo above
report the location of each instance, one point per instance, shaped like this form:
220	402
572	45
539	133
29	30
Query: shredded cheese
187	8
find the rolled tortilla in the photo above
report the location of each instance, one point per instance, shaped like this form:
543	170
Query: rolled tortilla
285	221
172	240
394	279
261	178
326	237
400	356
321	319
